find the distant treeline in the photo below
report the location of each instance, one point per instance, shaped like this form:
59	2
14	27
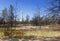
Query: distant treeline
9	17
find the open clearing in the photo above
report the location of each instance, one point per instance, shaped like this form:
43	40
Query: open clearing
29	33
37	33
34	32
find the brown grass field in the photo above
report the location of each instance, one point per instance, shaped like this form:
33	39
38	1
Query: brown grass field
45	32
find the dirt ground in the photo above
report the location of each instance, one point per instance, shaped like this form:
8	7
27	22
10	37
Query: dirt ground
55	28
32	39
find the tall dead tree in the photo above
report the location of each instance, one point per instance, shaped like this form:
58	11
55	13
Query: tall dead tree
16	9
11	15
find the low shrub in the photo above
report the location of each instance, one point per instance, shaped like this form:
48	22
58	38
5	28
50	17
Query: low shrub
19	33
8	32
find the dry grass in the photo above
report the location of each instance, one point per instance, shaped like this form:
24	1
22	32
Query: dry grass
43	33
40	33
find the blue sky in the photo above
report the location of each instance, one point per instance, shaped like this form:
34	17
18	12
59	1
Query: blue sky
28	7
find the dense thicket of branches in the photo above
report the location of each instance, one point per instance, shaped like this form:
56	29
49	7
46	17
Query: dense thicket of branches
54	12
53	15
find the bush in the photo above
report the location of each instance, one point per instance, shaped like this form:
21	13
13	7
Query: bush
8	32
13	33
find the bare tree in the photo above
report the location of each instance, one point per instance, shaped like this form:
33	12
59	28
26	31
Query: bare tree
11	15
22	18
27	19
36	20
54	11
